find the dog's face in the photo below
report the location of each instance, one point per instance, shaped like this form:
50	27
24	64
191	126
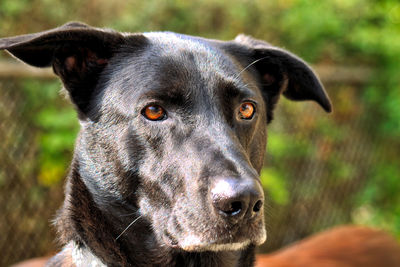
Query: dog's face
194	131
173	127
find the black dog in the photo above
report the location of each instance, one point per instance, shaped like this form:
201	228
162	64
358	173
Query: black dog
173	133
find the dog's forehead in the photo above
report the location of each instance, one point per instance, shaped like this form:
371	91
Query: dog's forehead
175	66
171	42
191	53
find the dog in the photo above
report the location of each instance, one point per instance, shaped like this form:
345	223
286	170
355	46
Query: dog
166	165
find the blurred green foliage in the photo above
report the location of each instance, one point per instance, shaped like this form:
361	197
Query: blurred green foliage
57	124
334	32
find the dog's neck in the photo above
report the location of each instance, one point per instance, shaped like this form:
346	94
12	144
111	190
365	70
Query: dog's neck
90	234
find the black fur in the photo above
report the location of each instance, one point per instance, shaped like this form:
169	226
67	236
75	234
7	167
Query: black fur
190	181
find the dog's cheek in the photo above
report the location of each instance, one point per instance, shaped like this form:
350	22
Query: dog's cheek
155	203
258	139
257	148
173	217
157	215
130	151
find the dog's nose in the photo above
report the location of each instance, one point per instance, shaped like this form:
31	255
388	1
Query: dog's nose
237	198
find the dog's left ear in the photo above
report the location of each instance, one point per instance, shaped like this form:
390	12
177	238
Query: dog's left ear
281	73
77	52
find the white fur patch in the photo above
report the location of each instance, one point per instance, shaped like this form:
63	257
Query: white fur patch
223	188
84	258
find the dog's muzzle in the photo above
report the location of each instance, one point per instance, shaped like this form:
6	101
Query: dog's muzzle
237	209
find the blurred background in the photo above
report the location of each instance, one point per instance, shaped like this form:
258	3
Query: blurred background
320	170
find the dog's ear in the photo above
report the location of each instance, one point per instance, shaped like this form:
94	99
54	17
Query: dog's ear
77	52
282	73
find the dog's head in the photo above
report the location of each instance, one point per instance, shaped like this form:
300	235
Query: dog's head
173	127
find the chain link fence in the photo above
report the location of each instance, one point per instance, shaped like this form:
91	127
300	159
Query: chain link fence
26	205
316	165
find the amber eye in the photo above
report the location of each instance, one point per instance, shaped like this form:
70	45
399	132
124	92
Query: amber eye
154	113
247	110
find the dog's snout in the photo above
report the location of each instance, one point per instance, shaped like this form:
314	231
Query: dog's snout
237	198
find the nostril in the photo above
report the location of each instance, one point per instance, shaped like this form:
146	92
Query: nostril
257	207
236	208
229	207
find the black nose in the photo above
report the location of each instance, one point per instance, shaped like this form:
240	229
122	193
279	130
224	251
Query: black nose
237	198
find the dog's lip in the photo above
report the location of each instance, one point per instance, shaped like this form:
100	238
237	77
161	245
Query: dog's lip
170	240
218	236
194	243
215	246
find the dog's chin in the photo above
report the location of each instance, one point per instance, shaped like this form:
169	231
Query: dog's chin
193	243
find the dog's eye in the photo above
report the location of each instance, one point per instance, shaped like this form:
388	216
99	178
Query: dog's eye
247	110
154	113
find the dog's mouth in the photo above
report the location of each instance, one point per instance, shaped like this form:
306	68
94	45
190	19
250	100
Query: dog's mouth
194	242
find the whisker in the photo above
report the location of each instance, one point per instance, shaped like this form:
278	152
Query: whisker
249	85
128	227
248	66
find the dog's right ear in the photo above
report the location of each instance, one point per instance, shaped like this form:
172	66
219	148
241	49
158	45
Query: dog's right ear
280	72
77	52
